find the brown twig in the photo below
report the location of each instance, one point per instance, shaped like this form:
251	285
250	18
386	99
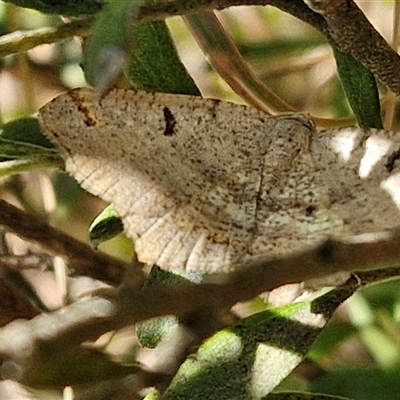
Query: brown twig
359	253
340	21
20	41
356	253
18	298
15	303
226	60
85	321
351	32
164	9
26	261
82	258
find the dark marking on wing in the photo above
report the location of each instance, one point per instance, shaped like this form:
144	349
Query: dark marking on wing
170	122
89	119
309	210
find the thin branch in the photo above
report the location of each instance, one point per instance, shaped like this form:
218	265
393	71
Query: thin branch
359	253
83	321
362	252
356	253
340	21
367	278
225	58
169	8
20	41
83	259
351	32
26	261
86	321
15	302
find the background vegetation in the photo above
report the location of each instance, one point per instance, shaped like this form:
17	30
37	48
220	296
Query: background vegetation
287	65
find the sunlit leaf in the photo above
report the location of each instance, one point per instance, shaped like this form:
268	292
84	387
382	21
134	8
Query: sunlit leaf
105	226
249	360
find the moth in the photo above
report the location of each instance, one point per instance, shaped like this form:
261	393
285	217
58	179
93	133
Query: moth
206	185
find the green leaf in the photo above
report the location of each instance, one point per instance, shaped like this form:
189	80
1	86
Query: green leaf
249	360
108	45
359	383
68	194
105	226
151	332
302	396
155	65
154	395
24	148
30	163
361	90
11	150
330	339
25	130
66	7
146	50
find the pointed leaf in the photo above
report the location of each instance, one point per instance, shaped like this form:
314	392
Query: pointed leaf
146	49
30	163
10	149
105	226
361	90
24	148
249	360
155	65
25	130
